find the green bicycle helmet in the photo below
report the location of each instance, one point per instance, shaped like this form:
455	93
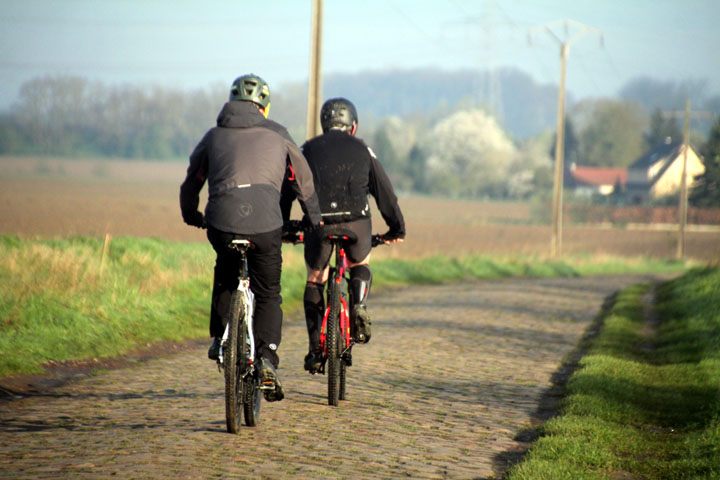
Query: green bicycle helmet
251	88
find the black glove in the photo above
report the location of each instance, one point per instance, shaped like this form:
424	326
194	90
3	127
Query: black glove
309	226
292	232
393	235
196	220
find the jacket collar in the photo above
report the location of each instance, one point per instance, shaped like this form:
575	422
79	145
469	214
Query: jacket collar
238	114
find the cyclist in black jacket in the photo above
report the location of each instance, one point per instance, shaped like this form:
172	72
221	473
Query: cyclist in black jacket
244	159
345	171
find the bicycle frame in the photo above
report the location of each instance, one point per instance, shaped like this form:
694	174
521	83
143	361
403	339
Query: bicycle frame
337	276
242	388
248	299
336	336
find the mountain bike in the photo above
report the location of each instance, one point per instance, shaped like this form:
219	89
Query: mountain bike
243	388
336	332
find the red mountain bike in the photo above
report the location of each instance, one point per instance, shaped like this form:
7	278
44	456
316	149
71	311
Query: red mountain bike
336	333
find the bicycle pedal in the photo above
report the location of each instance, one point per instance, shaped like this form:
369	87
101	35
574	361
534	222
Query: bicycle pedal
267	386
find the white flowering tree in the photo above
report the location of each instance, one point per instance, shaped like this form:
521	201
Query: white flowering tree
469	155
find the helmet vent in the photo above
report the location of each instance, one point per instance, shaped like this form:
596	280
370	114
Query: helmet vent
251	88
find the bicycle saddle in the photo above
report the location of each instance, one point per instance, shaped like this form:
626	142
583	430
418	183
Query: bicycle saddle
239	244
342	234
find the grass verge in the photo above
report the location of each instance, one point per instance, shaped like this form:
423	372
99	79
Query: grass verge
63	299
644	401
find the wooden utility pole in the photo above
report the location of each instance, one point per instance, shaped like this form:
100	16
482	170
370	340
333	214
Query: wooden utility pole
315	76
683	186
559	178
683	201
556	240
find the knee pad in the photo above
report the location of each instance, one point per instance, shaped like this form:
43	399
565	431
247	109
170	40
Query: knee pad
360	283
314	303
313	294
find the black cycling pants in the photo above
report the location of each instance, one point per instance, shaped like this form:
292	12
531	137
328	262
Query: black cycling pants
318	247
265	265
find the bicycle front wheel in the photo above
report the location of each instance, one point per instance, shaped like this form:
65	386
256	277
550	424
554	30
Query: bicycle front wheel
333	339
233	365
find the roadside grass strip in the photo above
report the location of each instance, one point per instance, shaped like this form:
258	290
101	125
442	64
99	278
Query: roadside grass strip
70	298
644	401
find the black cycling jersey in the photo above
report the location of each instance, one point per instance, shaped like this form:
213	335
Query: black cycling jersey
345	171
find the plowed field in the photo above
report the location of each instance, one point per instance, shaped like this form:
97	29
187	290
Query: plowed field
67	197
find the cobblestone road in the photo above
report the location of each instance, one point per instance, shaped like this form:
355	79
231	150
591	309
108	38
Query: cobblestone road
452	376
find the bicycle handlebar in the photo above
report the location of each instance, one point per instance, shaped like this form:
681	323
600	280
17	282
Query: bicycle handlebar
294	230
378	239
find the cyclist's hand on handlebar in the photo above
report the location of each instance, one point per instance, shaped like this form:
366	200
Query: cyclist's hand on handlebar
385	240
292	232
392	237
309	226
196	220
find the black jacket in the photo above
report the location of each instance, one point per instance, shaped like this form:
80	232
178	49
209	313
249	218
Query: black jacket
345	171
245	159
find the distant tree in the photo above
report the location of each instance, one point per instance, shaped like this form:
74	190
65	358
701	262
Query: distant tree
570	149
68	115
612	135
383	148
529	169
706	190
571	143
417	169
11	137
661	129
653	94
469	155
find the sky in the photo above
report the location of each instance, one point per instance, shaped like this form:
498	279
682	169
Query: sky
190	45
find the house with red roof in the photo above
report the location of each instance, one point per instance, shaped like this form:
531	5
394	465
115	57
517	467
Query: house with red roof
589	181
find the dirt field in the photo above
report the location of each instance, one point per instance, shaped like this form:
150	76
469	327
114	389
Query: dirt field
58	198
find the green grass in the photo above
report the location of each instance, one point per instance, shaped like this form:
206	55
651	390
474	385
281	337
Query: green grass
644	403
60	300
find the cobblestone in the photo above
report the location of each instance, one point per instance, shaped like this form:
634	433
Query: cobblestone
449	387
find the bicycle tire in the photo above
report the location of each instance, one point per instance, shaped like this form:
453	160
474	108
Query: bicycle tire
251	401
233	367
334	362
250	393
342	395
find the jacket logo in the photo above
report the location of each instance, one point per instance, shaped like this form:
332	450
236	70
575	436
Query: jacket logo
245	209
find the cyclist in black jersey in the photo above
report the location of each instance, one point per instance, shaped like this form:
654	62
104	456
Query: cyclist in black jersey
345	171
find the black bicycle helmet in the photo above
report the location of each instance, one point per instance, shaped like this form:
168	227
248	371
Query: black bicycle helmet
338	113
251	88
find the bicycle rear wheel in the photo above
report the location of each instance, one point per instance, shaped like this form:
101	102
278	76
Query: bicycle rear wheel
250	393
333	338
344	322
251	401
233	366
